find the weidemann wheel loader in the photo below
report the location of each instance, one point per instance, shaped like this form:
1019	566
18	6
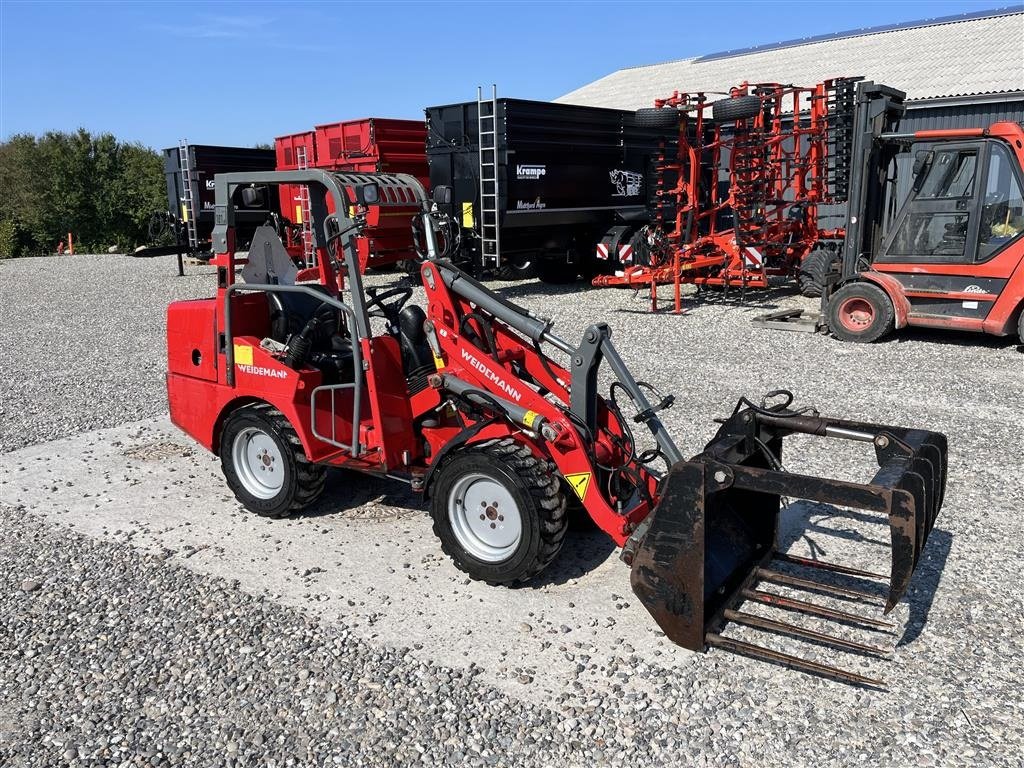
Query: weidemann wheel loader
463	399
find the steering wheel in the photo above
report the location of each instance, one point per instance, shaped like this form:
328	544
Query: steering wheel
388	303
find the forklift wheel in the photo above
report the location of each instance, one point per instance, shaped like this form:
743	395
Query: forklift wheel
265	464
860	312
499	512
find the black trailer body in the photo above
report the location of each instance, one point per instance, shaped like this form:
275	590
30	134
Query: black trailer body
567	175
204	162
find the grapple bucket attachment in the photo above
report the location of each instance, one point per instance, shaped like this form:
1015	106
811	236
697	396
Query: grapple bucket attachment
711	540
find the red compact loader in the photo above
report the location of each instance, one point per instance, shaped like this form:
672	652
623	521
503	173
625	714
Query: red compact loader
463	399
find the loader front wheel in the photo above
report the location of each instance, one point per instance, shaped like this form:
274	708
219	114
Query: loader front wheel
499	512
860	312
265	465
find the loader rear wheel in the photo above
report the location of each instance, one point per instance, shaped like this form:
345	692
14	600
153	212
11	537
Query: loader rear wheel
860	312
499	512
265	464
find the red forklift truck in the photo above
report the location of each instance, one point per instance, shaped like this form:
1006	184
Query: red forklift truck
464	400
934	231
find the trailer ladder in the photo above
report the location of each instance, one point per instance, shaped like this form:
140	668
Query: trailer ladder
188	200
308	244
487	128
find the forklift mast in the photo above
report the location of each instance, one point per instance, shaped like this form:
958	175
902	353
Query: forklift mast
876	116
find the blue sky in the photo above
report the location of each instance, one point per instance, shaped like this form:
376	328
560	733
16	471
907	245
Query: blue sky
242	73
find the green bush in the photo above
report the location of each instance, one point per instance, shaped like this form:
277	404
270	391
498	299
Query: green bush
99	189
8	239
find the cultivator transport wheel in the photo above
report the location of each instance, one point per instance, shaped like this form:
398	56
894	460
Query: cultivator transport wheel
739	108
860	312
265	465
658	117
499	511
811	275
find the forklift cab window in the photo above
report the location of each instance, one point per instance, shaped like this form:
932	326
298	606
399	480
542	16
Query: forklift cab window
1002	212
936	223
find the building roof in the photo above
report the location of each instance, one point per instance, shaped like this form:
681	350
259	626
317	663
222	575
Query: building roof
956	56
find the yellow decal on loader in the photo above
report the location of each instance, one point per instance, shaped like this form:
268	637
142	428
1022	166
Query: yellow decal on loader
438	362
467	215
298	214
243	354
184	213
579	482
529	418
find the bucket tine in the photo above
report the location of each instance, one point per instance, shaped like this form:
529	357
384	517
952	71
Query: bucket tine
777	657
782	628
813	609
766	574
784	557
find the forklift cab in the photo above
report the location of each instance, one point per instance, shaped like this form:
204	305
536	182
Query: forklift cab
965	205
934	235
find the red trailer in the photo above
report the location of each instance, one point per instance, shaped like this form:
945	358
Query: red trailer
368	145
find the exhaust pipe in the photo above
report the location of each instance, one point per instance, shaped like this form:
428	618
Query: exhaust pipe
711	540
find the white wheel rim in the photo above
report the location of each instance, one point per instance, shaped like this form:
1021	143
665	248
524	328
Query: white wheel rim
484	518
258	463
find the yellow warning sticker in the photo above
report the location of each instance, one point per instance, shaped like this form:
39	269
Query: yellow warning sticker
243	354
438	362
298	214
467	215
184	213
529	418
579	481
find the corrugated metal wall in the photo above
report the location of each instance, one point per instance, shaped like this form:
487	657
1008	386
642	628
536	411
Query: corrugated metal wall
924	117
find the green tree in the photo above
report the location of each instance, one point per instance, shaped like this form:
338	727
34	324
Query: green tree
96	187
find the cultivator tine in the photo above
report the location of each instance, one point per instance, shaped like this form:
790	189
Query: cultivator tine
716	640
814	609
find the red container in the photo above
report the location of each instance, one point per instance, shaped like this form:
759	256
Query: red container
287	150
369	145
374	145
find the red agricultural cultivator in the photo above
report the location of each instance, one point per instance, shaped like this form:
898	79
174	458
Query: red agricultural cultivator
740	194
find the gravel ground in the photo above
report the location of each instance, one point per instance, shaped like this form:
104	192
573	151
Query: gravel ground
113	653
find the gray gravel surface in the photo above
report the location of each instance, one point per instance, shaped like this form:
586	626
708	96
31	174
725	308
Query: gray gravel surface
82	341
109	642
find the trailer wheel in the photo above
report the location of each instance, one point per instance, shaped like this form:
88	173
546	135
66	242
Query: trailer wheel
860	312
810	276
499	512
265	465
739	108
556	270
657	117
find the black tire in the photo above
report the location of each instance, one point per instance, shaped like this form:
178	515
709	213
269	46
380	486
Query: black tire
535	488
812	271
1020	326
517	268
657	117
739	108
303	481
554	269
860	312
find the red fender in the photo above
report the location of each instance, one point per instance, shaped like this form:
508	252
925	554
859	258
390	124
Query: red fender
894	290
